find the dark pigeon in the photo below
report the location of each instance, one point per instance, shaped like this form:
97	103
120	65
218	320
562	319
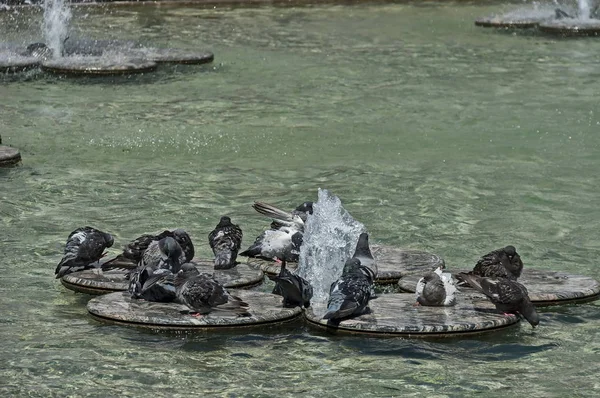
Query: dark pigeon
202	295
350	294
501	263
225	241
508	295
85	246
134	250
159	285
436	289
295	290
363	252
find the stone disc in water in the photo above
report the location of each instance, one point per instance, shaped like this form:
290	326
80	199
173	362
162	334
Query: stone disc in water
509	22
9	156
120	308
94	281
97	66
545	287
572	27
177	56
16	64
392	263
396	314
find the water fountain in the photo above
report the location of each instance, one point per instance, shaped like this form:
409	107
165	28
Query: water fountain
63	54
581	20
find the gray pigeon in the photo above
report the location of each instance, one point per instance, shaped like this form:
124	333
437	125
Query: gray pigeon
159	285
350	294
225	241
363	252
282	244
508	295
203	294
85	246
295	290
436	289
301	211
501	263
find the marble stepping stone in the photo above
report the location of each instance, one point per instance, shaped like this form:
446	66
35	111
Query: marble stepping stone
175	56
545	287
94	281
97	66
120	308
392	263
396	315
9	156
571	27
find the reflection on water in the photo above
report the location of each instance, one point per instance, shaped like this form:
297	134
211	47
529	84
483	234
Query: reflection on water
435	134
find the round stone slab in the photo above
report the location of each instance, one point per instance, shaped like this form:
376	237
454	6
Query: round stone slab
396	314
508	22
97	66
94	281
175	56
16	64
545	287
9	156
571	27
392	263
120	308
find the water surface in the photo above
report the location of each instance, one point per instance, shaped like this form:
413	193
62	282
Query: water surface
436	134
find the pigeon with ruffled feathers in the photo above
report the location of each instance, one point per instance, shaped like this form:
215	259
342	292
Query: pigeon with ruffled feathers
436	288
202	294
301	211
508	295
225	241
501	263
350	294
85	246
295	290
158	285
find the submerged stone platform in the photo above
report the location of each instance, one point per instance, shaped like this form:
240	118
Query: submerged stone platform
509	22
94	281
392	263
97	66
397	315
545	287
571	27
120	308
9	156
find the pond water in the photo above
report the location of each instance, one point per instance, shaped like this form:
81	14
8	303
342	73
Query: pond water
436	134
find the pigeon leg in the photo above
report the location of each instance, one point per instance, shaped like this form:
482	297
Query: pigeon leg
278	261
196	315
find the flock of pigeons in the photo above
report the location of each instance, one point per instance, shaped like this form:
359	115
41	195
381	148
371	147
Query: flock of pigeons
159	268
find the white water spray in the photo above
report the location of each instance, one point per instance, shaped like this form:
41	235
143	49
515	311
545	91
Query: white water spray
584	9
55	28
330	236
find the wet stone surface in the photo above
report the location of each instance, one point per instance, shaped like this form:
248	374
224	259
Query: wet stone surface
118	307
95	281
9	156
90	66
545	287
392	263
396	314
571	27
513	22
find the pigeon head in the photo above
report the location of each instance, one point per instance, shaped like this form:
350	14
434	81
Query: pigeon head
225	221
528	312
170	248
185	242
108	238
431	276
352	266
306	207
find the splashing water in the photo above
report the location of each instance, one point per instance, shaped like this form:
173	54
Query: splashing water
584	9
330	236
57	15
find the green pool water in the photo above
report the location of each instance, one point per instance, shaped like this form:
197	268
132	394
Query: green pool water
436	134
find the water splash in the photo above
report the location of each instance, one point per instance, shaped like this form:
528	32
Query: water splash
330	236
55	28
584	9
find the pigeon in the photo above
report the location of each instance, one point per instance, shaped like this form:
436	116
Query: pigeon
159	285
295	290
281	218
350	294
363	253
133	251
84	247
502	263
162	254
225	241
279	244
508	295
38	50
203	294
436	289
301	211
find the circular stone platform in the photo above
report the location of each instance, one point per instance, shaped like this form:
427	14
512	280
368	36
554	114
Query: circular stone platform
509	22
94	281
396	314
97	66
392	263
572	27
545	287
17	64
119	308
175	56
9	156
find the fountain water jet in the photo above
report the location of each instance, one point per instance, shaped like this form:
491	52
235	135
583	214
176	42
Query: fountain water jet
57	16
330	236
